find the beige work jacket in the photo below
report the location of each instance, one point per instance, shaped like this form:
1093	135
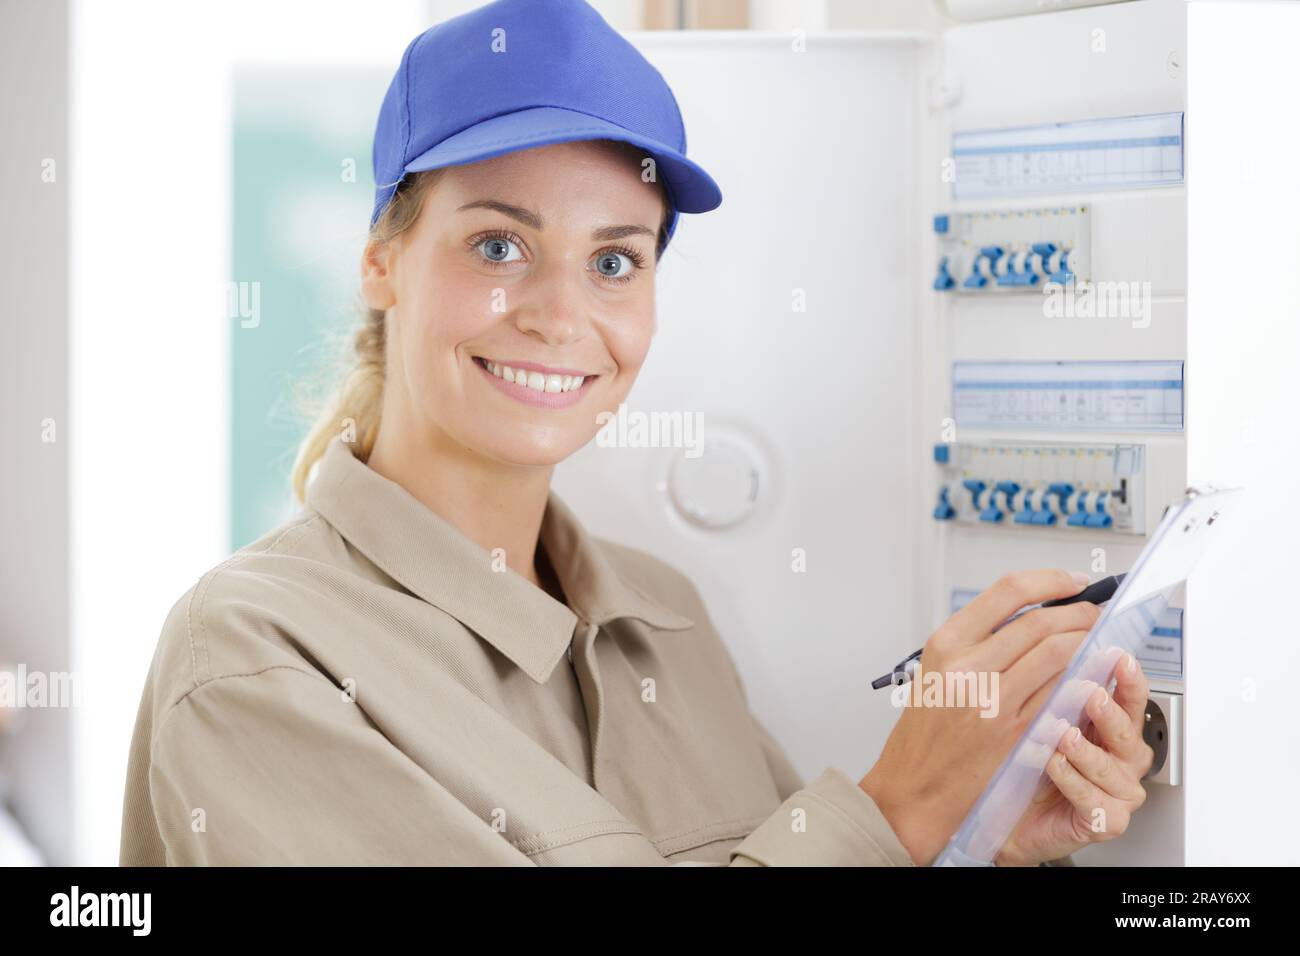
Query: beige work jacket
365	685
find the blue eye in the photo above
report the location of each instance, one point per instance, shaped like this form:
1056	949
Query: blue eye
614	265
498	249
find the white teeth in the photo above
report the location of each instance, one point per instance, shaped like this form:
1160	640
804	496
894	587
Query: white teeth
535	380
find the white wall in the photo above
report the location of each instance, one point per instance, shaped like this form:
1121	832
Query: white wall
1243	344
148	360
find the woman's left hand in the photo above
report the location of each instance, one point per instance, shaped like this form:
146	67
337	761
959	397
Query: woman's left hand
1095	779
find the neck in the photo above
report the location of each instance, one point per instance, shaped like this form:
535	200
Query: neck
495	505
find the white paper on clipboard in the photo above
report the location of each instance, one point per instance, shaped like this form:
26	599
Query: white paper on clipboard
1171	553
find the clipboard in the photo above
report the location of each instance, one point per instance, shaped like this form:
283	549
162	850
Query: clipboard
1171	553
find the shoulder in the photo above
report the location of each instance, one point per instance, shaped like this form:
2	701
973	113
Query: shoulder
238	618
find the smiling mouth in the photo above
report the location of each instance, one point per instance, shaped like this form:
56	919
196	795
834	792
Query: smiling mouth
536	378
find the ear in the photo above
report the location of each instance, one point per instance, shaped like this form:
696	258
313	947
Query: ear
377	275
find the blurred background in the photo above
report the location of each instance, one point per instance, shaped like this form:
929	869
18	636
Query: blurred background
153	151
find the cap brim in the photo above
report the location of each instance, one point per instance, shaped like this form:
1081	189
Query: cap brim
690	187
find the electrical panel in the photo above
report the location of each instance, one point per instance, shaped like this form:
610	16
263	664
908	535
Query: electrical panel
1037	486
1018	250
1057	276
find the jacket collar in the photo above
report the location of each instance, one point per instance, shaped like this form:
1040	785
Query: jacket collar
432	558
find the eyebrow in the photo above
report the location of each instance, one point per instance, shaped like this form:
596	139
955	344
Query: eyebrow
534	221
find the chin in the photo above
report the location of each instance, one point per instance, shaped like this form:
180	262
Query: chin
548	451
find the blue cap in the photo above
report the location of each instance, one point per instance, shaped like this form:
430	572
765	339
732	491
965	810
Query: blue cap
515	74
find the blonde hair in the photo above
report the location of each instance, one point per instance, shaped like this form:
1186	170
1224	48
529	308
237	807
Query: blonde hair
358	399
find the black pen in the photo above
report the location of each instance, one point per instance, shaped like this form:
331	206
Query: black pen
1099	592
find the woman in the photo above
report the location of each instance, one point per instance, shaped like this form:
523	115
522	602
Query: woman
433	662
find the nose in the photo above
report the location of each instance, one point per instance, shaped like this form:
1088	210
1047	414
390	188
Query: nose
554	307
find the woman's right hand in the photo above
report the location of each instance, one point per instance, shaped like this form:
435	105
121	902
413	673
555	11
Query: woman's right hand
938	759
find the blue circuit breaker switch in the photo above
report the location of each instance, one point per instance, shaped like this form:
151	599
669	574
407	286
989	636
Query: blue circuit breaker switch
1099	518
1027	275
993	513
944	511
1026	514
944	280
1010	277
1062	490
941	224
1063	275
977	279
941	451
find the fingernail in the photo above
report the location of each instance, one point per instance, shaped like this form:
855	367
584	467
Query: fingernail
1130	665
1072	738
1105	699
1080	578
